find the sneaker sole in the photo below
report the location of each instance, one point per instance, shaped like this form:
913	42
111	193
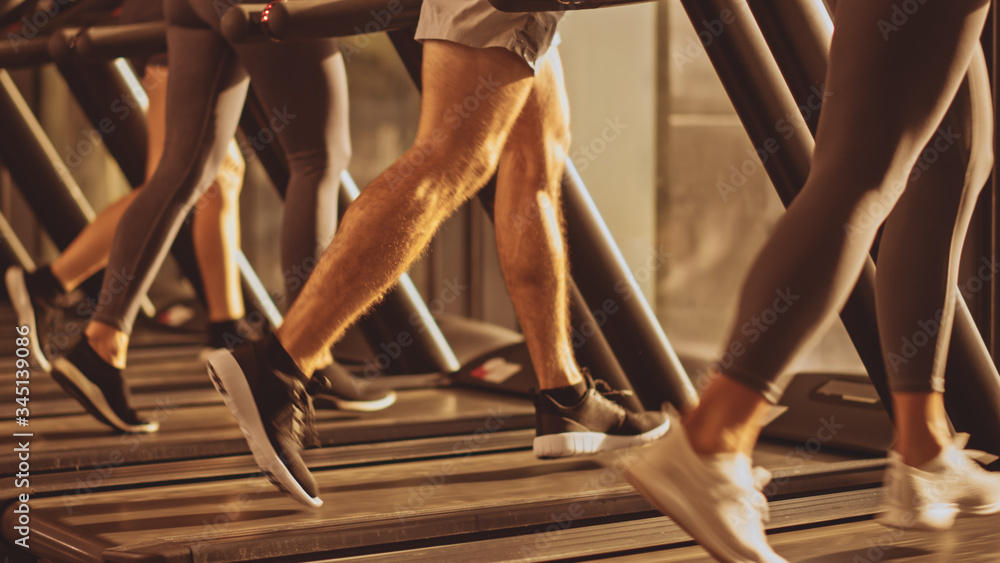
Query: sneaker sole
229	380
74	382
21	300
900	519
581	443
639	471
353	405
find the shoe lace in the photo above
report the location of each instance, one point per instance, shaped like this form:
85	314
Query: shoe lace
610	393
305	416
54	320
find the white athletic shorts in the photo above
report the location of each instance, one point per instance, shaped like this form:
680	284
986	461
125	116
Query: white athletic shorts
475	23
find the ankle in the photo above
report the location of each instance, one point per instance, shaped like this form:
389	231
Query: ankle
707	442
922	430
282	361
108	343
917	453
557	375
567	395
324	359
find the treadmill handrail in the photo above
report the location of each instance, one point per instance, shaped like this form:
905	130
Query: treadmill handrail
106	42
310	19
29	52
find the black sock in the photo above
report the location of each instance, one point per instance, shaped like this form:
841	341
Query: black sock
42	284
228	334
567	396
280	359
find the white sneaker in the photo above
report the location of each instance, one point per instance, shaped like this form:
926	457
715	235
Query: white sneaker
717	499
931	497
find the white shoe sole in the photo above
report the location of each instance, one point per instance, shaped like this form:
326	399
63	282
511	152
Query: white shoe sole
356	406
939	516
21	300
581	443
76	383
229	380
657	488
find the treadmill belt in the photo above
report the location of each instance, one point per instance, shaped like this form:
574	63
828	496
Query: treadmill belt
972	540
202	431
445	474
457	498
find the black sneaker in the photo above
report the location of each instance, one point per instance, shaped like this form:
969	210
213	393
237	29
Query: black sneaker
35	312
335	387
273	411
597	423
100	388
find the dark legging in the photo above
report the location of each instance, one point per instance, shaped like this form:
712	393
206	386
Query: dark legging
304	87
883	129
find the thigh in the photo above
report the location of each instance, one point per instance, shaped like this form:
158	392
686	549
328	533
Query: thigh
543	123
475	23
950	174
205	97
471	97
890	87
303	86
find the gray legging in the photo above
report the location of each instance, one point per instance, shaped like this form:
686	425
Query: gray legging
303	85
883	128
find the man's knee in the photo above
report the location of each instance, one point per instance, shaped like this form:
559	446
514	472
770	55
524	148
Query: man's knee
537	159
465	166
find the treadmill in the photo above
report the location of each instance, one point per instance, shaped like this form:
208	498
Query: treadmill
477	494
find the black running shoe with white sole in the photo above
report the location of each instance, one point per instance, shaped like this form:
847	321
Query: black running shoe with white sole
596	423
335	387
100	388
34	312
273	411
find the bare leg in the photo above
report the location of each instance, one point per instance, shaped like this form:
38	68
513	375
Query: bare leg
472	100
393	220
529	225
88	253
732	424
921	426
217	240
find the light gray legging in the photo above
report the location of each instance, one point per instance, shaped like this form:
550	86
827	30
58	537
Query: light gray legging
891	87
305	88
